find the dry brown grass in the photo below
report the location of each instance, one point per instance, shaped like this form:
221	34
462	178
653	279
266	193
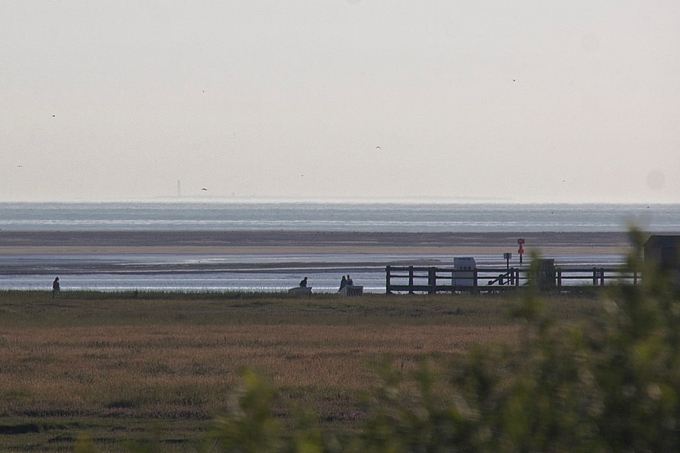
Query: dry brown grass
111	367
171	368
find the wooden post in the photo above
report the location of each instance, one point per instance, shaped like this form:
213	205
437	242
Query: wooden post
559	277
410	279
602	276
474	280
594	276
635	278
388	286
516	277
432	280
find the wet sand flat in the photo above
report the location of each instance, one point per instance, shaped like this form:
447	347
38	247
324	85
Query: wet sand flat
304	242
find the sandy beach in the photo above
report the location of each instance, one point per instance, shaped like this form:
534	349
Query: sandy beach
307	242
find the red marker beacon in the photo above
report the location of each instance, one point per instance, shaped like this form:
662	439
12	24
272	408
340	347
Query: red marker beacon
520	242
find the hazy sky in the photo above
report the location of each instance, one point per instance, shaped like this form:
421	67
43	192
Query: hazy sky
559	101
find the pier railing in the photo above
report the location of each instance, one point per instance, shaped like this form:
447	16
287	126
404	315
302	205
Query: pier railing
432	280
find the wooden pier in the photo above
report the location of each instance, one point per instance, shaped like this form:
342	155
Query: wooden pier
433	280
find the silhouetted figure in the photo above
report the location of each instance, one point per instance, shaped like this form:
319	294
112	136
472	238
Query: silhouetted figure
343	283
350	282
55	287
303	283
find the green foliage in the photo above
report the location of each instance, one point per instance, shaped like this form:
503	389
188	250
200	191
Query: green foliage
85	445
249	426
428	420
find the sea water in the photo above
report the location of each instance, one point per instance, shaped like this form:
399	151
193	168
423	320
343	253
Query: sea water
125	272
365	217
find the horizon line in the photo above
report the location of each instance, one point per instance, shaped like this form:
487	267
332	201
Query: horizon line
332	200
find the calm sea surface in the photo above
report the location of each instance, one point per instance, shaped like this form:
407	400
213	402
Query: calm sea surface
323	271
388	217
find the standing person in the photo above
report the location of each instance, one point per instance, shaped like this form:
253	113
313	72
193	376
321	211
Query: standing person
55	287
343	283
350	282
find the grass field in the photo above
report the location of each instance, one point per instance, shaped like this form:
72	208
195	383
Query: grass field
116	367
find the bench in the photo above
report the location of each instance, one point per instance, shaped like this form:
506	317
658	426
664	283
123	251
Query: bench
352	291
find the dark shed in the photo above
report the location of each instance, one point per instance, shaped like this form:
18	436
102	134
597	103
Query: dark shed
664	251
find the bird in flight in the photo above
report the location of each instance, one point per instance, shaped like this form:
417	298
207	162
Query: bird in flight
204	189
378	147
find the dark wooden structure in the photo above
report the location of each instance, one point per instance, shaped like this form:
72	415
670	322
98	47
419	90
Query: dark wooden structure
663	251
432	280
